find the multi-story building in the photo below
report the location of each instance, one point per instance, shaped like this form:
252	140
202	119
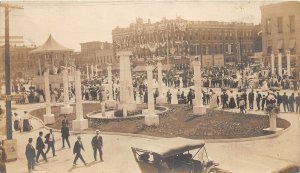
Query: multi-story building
281	31
216	43
19	60
95	53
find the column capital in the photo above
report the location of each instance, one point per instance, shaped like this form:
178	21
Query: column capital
77	73
197	63
124	53
149	68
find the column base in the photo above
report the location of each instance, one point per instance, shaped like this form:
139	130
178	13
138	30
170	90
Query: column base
272	129
129	106
111	104
174	101
66	109
79	125
199	110
161	100
152	120
49	119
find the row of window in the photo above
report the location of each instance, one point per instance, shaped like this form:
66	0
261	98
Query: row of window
280	24
104	59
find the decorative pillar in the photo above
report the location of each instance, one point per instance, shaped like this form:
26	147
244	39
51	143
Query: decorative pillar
161	99
198	108
150	118
272	64
87	72
48	117
279	64
66	109
109	78
103	109
126	88
288	63
79	123
96	70
92	71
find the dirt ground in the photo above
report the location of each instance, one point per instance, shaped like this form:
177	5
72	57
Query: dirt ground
179	121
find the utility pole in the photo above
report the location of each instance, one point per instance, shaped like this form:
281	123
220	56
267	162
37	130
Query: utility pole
7	7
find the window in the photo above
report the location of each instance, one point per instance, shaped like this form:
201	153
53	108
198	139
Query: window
279	24
269	46
268	26
292	23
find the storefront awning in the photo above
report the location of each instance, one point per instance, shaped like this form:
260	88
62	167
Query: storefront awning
279	44
292	43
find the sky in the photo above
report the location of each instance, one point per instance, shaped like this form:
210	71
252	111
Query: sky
75	22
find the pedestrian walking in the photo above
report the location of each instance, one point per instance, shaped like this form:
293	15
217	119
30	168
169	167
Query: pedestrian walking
251	99
77	150
3	158
50	142
285	102
65	121
65	133
169	97
40	146
242	106
292	102
297	100
97	144
30	155
258	98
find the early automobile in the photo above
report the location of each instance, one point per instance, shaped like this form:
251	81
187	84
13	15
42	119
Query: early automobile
173	155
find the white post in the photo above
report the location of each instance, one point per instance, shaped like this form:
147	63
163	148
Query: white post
150	118
96	70
66	109
79	123
109	78
198	108
92	71
48	117
150	90
279	64
126	88
161	99
288	63
103	109
87	72
272	64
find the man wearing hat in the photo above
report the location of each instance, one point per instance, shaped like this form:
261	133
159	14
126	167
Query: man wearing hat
97	144
77	150
30	155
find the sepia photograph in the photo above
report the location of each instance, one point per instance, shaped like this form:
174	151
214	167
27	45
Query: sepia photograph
149	86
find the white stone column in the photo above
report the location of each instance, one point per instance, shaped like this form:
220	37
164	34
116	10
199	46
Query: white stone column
279	64
272	64
103	109
198	108
48	117
161	99
109	80
87	72
96	70
126	88
66	109
288	63
92	71
79	123
150	118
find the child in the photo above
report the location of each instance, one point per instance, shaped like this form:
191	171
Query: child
242	106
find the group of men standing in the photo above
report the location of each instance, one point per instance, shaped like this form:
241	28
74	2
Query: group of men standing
33	153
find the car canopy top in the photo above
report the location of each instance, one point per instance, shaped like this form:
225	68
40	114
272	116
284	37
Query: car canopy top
169	146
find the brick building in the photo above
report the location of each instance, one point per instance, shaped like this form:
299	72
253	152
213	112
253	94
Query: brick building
216	43
281	31
95	52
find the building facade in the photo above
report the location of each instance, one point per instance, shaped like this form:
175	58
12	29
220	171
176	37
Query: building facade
281	31
19	60
216	43
96	52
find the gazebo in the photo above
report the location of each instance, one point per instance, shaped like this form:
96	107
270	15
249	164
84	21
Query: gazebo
51	54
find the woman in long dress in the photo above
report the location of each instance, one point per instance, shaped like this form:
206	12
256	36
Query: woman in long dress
213	103
232	103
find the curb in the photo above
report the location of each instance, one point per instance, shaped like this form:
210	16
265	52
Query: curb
155	137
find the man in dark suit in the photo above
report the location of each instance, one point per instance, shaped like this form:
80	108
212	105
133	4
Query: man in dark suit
251	99
65	121
244	96
285	101
97	144
50	142
30	155
258	98
65	135
40	146
77	150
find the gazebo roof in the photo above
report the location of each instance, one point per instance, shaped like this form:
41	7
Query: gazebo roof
51	46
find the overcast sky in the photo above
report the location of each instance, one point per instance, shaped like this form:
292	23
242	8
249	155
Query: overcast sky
74	22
